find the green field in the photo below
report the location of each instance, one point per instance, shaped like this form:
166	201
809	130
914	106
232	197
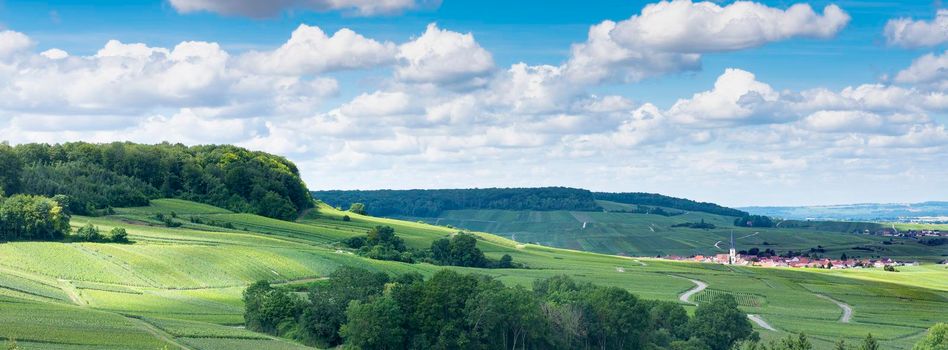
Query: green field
653	235
180	287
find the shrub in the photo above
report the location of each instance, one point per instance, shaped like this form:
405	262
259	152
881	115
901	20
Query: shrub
357	208
119	235
89	233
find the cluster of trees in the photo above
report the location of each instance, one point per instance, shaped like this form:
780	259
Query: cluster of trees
461	250
456	311
100	176
34	218
431	203
754	221
766	253
933	241
26	217
668	202
381	243
802	342
90	233
699	225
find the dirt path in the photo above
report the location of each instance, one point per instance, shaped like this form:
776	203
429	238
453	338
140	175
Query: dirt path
760	322
686	296
72	292
750	235
847	310
160	334
303	214
301	280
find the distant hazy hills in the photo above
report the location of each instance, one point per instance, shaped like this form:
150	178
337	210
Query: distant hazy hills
926	211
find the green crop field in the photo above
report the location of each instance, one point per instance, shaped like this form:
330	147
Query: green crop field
633	234
180	287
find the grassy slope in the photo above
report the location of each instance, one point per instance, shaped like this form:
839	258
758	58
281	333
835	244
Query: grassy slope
652	235
182	285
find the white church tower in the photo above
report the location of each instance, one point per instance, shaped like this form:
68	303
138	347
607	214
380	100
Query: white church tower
732	254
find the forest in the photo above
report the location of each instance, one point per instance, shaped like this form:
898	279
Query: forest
451	310
430	203
97	177
358	309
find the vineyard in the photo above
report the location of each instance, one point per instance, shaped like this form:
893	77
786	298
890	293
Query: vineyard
181	286
743	299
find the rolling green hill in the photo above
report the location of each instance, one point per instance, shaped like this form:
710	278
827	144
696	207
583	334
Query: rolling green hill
180	287
633	234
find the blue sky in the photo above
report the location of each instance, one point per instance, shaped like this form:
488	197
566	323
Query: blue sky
531	31
385	105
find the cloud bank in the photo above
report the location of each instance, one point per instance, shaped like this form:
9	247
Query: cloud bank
443	113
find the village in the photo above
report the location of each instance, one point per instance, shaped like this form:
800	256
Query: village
794	262
770	258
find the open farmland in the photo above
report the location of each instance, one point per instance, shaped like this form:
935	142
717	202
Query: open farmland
181	286
634	234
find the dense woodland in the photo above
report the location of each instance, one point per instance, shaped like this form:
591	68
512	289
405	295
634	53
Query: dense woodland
456	311
364	310
431	203
668	202
100	176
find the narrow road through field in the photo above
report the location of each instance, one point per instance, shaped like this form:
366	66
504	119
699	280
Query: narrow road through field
301	280
847	310
72	292
760	322
160	334
750	235
303	214
686	296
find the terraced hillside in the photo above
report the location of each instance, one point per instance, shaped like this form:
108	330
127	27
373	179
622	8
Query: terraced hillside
180	287
614	231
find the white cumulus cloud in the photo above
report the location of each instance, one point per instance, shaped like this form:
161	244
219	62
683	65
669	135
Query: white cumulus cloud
309	51
670	36
732	100
906	32
442	56
13	42
929	70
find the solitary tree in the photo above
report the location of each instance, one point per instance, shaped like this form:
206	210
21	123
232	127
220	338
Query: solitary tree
357	208
119	235
937	338
720	323
870	343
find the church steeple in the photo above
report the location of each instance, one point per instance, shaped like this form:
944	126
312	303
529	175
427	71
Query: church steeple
732	253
